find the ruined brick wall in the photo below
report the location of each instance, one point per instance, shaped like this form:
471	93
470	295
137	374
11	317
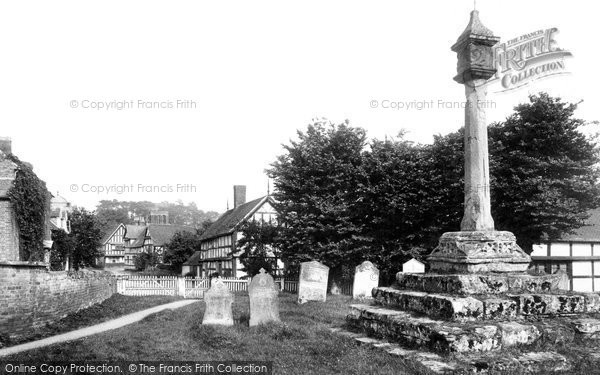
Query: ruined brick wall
31	296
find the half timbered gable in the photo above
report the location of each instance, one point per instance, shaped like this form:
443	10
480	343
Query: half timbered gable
218	249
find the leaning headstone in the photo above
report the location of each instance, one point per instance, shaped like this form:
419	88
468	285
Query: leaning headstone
313	282
264	306
218	304
413	266
366	277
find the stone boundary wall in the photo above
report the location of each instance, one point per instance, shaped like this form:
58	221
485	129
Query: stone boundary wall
31	296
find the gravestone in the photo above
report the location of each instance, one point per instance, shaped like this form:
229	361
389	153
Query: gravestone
218	301
366	277
413	266
335	288
312	285
264	306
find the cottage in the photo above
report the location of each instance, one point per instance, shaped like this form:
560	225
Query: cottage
113	247
577	254
218	249
150	238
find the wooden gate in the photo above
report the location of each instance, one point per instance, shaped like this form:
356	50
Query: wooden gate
195	287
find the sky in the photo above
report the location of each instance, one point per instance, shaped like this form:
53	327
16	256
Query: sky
209	91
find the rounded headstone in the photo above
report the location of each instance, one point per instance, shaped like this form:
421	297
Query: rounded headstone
264	305
219	301
366	277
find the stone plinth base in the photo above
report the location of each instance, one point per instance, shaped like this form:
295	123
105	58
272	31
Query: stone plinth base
484	283
488	308
478	252
466	313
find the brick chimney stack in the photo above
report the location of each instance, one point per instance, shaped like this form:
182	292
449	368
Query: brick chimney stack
239	195
6	145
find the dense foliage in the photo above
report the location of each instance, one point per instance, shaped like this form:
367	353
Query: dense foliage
545	171
317	184
256	249
144	261
62	249
86	234
342	200
31	204
180	248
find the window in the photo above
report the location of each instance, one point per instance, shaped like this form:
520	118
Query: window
582	249
539	250
560	250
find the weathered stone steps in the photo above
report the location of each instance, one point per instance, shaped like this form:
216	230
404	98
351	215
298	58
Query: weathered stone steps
529	362
477	308
441	336
431	361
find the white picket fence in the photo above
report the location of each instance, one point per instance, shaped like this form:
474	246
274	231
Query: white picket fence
290	286
187	287
148	285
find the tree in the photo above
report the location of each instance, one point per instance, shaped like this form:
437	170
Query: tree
62	249
85	235
395	201
258	247
315	192
544	170
181	247
144	260
341	202
112	213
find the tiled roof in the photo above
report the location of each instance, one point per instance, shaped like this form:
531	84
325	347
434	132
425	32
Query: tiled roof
162	233
227	222
159	233
134	231
589	232
475	29
194	260
139	242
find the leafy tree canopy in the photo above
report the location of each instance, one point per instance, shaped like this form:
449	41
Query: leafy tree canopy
85	235
181	247
316	182
342	199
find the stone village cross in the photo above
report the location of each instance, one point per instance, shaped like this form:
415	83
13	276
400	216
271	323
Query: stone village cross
477	247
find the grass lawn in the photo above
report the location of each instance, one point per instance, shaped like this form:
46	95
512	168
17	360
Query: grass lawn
115	306
301	345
